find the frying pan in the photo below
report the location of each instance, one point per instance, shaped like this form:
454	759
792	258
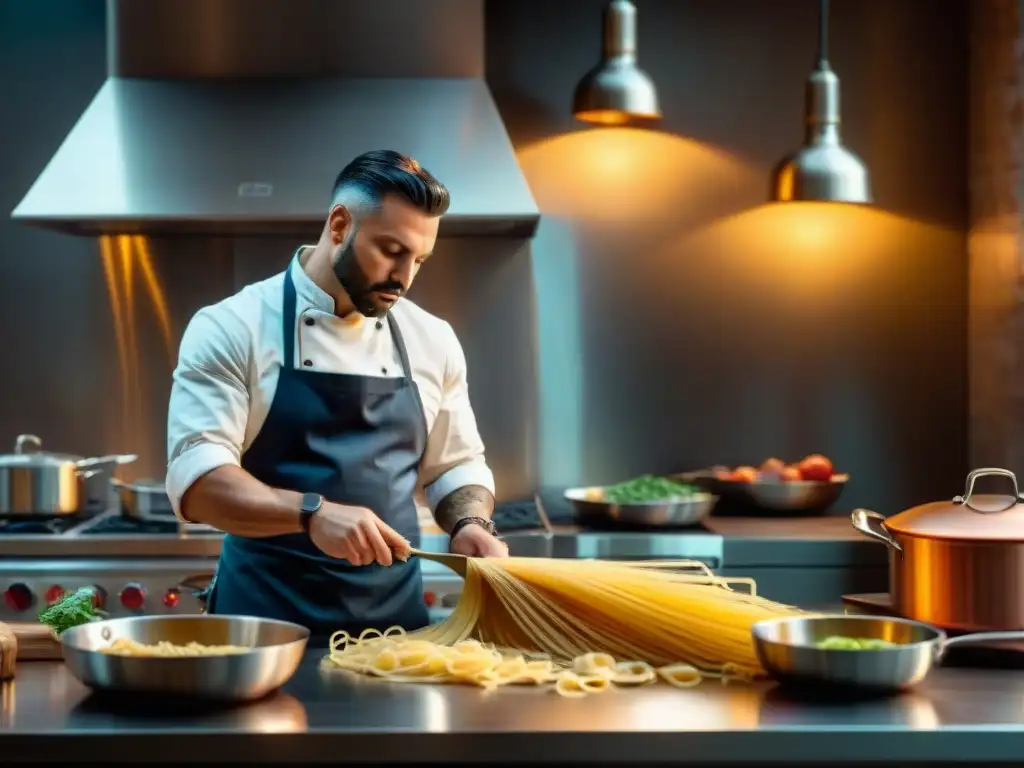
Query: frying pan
787	650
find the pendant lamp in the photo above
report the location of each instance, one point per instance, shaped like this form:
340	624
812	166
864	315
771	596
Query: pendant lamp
617	91
822	169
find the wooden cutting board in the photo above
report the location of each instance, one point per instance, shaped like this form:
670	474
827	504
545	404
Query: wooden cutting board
35	641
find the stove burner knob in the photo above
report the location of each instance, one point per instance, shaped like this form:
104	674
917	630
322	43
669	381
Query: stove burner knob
18	597
54	594
171	598
133	596
99	596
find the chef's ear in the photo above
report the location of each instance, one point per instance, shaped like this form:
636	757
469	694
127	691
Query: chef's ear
340	223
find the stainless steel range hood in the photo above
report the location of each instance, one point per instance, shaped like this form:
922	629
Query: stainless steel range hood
243	146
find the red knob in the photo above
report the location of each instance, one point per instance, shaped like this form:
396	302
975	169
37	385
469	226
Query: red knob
53	594
133	596
172	597
99	596
429	598
18	597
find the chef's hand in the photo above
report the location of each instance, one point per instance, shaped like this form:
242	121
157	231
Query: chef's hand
475	541
355	534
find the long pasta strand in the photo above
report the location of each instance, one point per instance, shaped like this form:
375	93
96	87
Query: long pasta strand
676	620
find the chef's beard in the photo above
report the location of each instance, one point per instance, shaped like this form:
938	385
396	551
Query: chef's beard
356	284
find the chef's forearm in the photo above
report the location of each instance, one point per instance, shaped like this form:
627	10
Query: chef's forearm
467	501
233	501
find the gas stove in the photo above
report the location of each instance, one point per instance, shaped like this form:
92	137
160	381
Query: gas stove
53	527
136	567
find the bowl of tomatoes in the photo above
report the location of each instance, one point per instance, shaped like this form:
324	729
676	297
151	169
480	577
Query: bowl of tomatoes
809	486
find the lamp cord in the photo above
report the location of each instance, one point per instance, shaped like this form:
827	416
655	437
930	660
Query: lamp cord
823	34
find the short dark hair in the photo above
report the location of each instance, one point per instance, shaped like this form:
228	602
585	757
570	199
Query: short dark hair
384	171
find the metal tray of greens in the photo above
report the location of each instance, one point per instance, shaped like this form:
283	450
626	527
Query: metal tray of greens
647	501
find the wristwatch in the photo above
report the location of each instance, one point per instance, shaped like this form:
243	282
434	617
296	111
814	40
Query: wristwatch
311	503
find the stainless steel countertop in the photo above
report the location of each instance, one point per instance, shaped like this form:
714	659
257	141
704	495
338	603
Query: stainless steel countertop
975	715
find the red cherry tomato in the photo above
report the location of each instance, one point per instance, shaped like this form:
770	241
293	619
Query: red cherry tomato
816	467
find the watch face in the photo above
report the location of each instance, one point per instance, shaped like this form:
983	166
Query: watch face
311	502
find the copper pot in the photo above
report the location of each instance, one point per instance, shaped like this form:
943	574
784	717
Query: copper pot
956	564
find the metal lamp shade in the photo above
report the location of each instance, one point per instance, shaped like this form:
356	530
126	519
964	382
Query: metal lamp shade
824	173
617	91
822	170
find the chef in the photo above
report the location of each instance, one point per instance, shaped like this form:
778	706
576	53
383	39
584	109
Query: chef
308	409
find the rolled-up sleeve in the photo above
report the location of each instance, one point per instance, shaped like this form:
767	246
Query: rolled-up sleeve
454	455
209	403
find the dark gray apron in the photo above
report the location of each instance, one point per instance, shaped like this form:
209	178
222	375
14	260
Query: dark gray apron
355	440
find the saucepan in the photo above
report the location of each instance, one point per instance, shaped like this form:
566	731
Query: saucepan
37	483
145	500
790	650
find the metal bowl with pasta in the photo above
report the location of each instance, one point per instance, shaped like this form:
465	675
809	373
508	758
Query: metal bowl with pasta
222	658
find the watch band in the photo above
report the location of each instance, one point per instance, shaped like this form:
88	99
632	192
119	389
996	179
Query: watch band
311	503
483	522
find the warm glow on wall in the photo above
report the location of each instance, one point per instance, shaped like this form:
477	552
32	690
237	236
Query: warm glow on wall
616	176
817	247
127	264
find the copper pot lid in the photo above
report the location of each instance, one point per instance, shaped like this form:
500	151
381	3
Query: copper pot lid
971	517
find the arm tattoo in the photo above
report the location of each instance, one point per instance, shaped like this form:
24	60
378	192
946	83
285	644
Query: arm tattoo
467	501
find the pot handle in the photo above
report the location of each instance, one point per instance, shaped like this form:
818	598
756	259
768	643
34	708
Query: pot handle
973	476
35	444
873	524
113	458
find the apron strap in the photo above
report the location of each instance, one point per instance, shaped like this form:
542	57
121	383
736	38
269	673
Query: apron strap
396	334
288	324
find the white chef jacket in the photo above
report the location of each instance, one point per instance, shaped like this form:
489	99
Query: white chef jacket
231	355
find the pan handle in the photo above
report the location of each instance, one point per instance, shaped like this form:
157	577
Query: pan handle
201	585
978	638
972	478
197	581
873	524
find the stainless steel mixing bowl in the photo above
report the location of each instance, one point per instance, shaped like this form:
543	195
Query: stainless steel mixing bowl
799	497
277	648
786	649
672	513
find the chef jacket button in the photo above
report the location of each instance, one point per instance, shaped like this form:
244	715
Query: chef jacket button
379	325
308	363
310	321
384	370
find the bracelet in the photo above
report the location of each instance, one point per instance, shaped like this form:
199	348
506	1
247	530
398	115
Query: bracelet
483	522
